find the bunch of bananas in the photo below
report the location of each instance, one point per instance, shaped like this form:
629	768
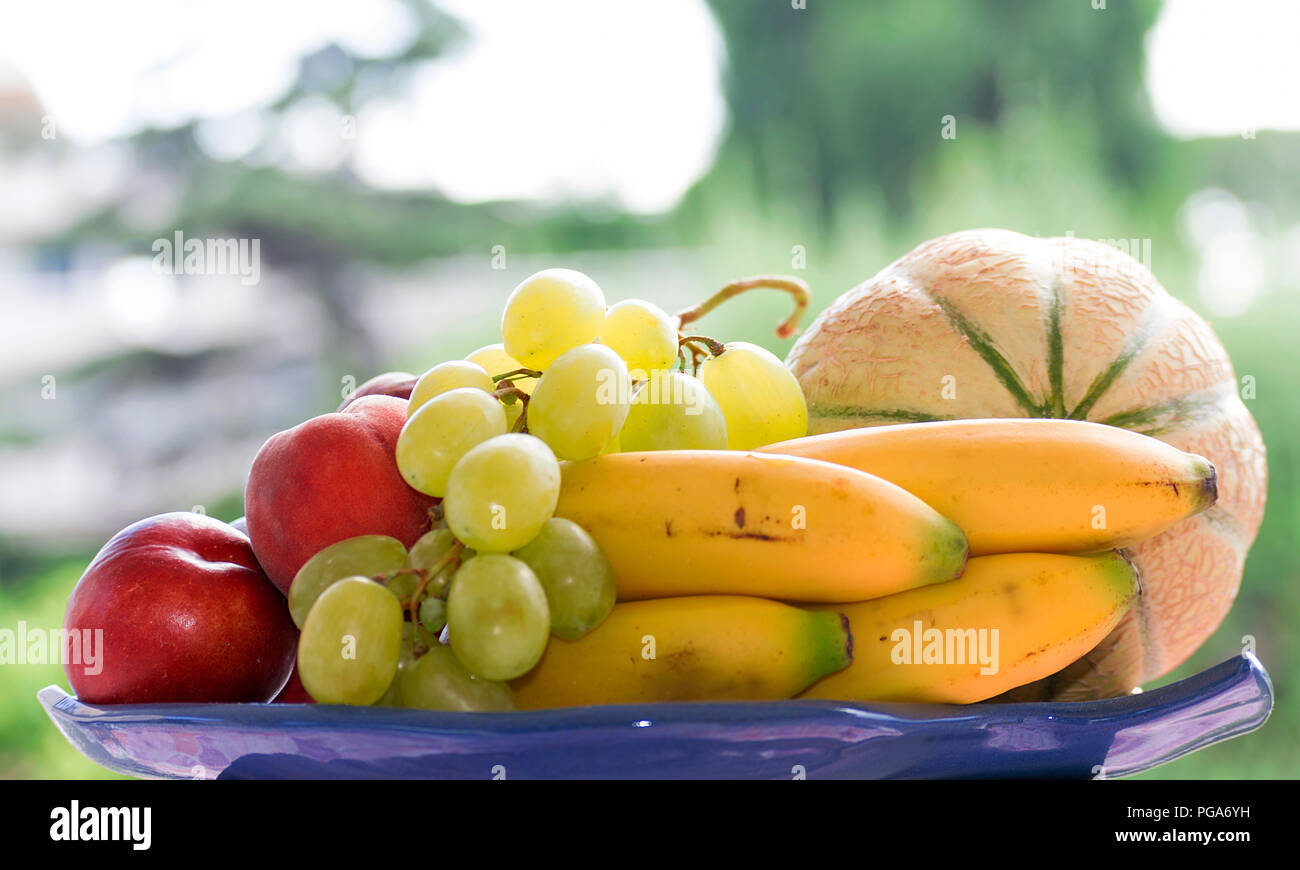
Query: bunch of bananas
945	562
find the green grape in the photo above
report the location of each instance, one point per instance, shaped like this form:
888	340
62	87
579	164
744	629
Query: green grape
393	696
416	635
578	579
498	617
496	361
581	402
411	635
364	555
614	446
761	400
403	585
447	376
433	614
441	432
351	643
501	493
427	552
642	334
674	411
438	681
550	312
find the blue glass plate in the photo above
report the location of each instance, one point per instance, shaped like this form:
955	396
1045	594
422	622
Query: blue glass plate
768	740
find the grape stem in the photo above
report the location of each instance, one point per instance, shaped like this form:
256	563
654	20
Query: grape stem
510	394
711	347
448	558
516	375
796	287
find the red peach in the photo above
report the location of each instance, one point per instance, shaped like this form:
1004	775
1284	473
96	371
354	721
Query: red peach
330	478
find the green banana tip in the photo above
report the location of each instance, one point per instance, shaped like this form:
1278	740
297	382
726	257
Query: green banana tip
951	553
1131	572
964	559
831	642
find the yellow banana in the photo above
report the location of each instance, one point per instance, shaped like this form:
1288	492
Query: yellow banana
1009	620
697	648
696	522
1021	486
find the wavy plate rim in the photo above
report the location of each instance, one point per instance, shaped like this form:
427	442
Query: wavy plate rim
1222	702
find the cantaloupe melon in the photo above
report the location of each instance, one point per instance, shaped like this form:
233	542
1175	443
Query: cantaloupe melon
992	323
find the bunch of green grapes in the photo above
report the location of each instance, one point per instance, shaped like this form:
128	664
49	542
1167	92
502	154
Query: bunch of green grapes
590	379
472	604
607	381
495	579
372	612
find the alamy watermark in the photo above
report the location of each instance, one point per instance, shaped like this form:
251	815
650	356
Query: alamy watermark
57	646
1106	267
612	388
952	646
181	256
90	824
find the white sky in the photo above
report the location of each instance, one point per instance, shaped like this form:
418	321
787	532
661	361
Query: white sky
562	100
568	99
1219	67
105	69
579	98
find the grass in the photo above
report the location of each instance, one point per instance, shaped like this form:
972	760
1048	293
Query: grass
30	746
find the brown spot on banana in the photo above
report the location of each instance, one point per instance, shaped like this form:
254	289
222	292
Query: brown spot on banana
739	535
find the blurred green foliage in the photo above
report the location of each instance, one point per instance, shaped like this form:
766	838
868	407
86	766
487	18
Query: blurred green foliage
835	146
30	746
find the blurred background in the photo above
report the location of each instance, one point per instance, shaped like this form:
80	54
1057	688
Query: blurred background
402	164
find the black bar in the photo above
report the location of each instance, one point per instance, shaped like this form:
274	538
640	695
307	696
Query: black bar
573	818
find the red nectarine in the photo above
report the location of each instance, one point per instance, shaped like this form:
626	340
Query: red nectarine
185	613
330	478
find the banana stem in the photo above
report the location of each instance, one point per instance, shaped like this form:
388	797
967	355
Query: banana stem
797	288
